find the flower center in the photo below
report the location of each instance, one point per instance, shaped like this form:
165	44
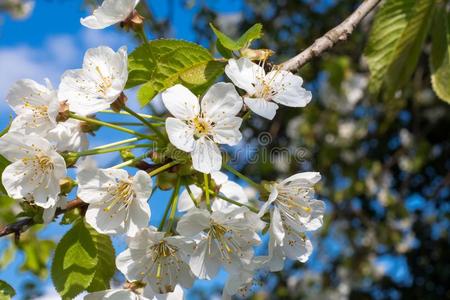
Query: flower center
106	82
39	162
165	266
39	112
201	127
222	237
122	192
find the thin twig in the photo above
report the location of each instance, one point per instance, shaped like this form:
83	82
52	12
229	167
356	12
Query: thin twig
332	37
22	225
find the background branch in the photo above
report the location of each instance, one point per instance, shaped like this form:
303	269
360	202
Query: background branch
332	37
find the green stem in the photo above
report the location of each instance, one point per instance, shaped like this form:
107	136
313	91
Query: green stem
188	189
127	123
170	204
108	150
251	208
206	181
116	127
241	176
166	212
143	120
135	139
173	210
142	115
130	161
163	168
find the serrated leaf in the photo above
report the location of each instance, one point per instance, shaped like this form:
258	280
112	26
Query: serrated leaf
106	261
395	42
74	264
251	34
440	54
6	290
163	63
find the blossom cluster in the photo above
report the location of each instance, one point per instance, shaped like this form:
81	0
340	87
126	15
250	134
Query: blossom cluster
219	226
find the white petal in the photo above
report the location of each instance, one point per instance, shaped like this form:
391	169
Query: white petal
129	262
221	101
244	74
81	93
107	220
185	202
28	92
109	13
138	216
180	134
288	89
177	294
203	264
272	197
297	248
226	131
193	222
180	102
219	177
309	178
93	185
206	156
262	107
142	185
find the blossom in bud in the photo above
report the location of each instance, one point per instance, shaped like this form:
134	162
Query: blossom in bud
264	91
35	170
98	84
117	201
36	107
225	239
158	260
198	128
110	13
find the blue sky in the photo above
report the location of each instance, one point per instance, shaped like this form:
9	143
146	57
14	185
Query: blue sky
51	41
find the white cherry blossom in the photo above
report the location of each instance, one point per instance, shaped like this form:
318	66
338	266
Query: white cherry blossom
117	201
285	242
228	188
141	294
198	128
294	212
35	105
68	136
118	294
98	84
158	260
110	13
35	170
264	91
225	239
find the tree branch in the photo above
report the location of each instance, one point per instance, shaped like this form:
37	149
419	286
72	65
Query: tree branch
20	226
332	37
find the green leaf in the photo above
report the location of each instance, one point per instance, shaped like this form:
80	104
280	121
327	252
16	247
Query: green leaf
37	254
6	291
84	260
106	261
163	63
440	54
395	43
244	41
75	261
